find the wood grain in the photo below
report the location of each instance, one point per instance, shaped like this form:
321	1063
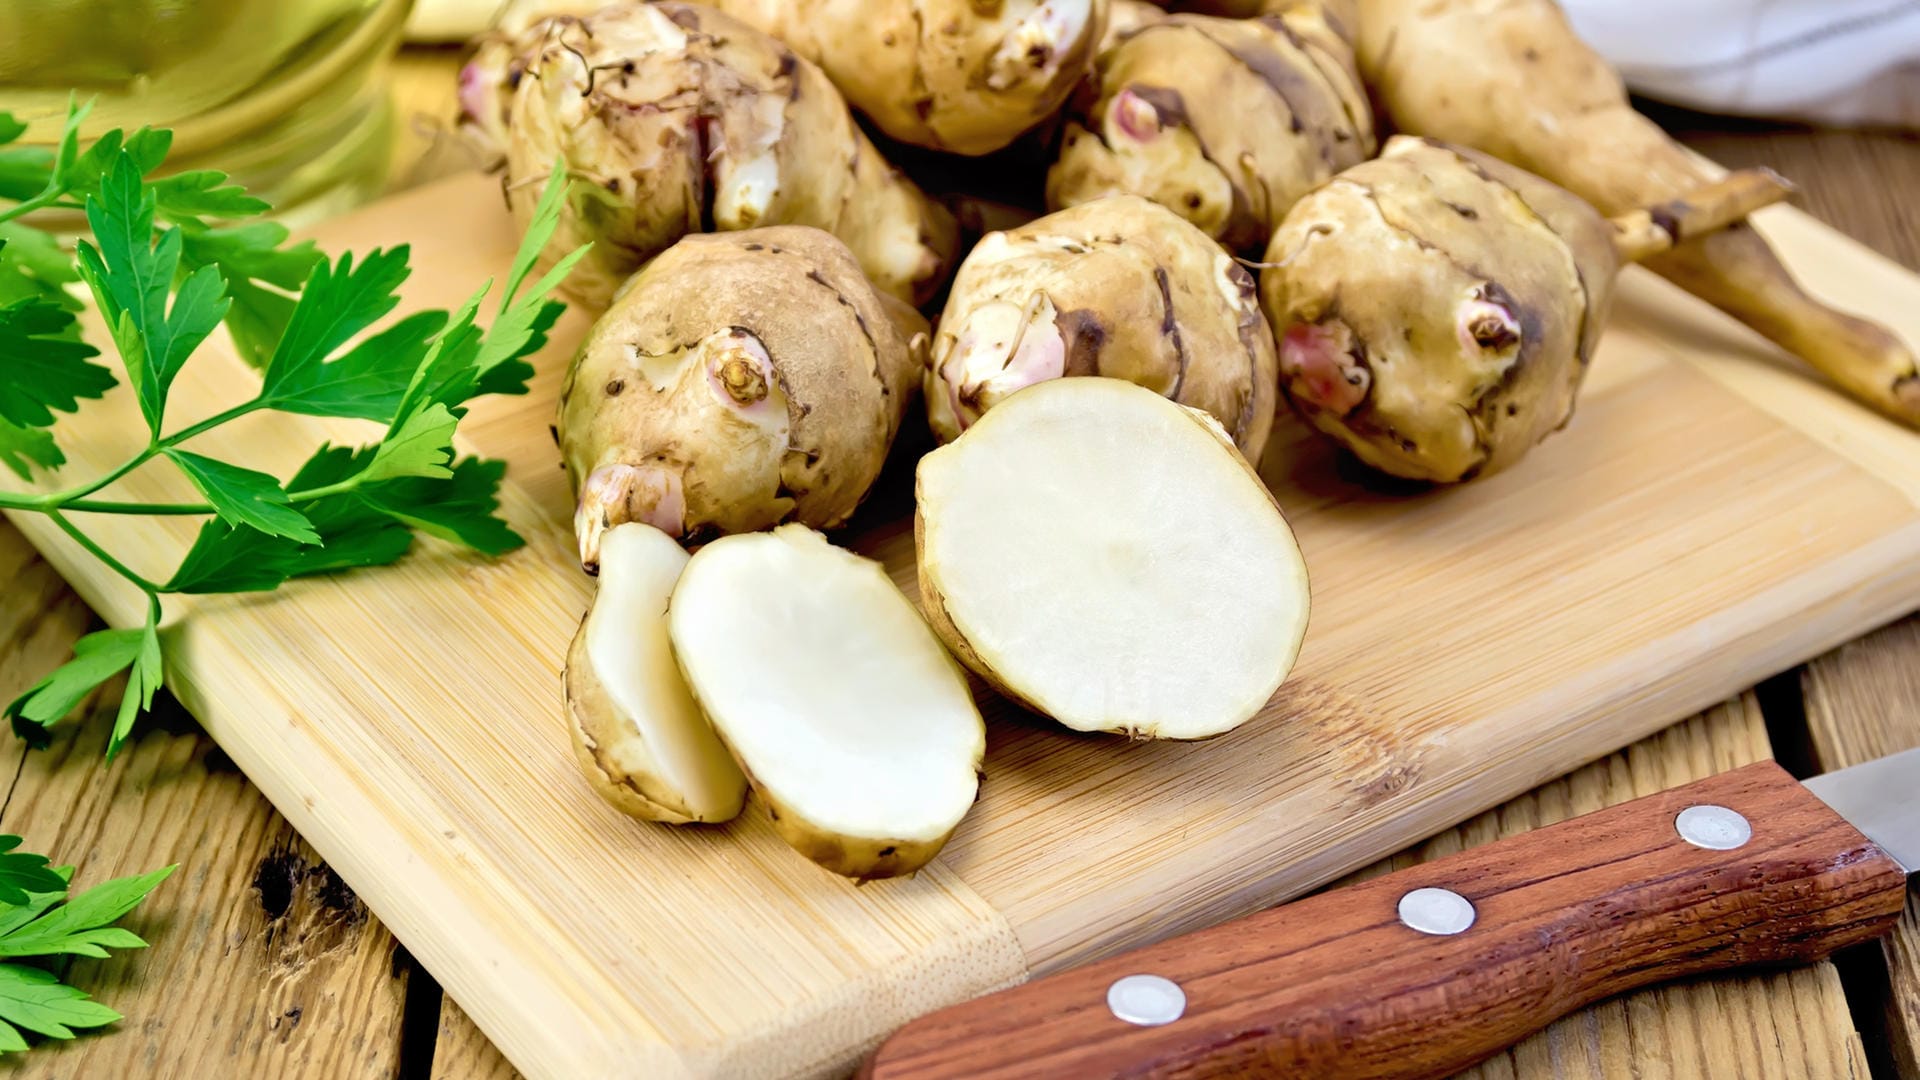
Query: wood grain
263	963
1629	574
1863	702
463	1052
1782	1025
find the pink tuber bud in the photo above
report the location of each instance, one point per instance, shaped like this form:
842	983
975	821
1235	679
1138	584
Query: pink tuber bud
1324	367
616	494
1136	116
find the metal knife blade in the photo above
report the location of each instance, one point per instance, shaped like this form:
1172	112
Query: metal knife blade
1881	798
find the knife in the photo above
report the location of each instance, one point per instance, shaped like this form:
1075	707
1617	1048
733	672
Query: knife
1426	971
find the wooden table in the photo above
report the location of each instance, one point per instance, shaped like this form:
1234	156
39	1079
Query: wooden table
265	964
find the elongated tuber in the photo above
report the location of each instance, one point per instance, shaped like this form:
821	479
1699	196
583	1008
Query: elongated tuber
1437	308
1103	556
741	380
1224	121
640	738
854	726
1120	287
1511	78
958	75
676	119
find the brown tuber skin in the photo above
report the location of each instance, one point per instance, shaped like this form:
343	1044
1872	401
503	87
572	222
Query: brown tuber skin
675	119
1227	122
1120	287
964	76
740	380
1510	78
1437	308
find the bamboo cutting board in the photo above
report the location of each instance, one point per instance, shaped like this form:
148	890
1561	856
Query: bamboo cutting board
1710	517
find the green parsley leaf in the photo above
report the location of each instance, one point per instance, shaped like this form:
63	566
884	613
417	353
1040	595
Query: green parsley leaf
145	676
130	274
540	227
24	170
367	382
45	368
38	1001
204	193
23	872
80	927
96	658
245	497
22	448
257	268
419	445
461	508
33	264
339	302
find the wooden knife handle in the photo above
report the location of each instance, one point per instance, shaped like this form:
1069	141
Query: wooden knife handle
1337	985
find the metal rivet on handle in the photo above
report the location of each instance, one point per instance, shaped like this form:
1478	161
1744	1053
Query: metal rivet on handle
1441	912
1147	1000
1715	828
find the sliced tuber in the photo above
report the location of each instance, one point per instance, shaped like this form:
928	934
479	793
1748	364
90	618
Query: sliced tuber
853	724
640	737
1105	557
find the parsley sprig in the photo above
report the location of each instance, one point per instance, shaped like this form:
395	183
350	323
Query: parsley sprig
39	919
163	279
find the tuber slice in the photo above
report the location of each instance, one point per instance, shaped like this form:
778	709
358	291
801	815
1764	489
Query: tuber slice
741	379
853	725
1120	287
1511	78
1437	308
640	737
1105	557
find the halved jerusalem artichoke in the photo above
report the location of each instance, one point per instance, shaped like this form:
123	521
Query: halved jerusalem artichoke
640	737
853	725
1105	557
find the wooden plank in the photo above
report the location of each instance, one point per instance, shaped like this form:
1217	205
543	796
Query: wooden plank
1863	701
1774	1026
1627	574
263	962
463	1052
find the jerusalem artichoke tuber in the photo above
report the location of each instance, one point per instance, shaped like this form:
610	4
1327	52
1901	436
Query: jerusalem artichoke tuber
1437	308
955	75
1120	287
741	379
1510	78
677	119
1224	121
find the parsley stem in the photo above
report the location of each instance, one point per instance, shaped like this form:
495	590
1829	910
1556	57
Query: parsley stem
107	506
339	488
207	425
38	202
100	553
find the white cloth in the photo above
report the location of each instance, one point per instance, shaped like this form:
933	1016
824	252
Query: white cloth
1832	61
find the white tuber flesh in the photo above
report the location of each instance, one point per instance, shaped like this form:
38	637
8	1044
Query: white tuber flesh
854	726
1106	557
639	735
